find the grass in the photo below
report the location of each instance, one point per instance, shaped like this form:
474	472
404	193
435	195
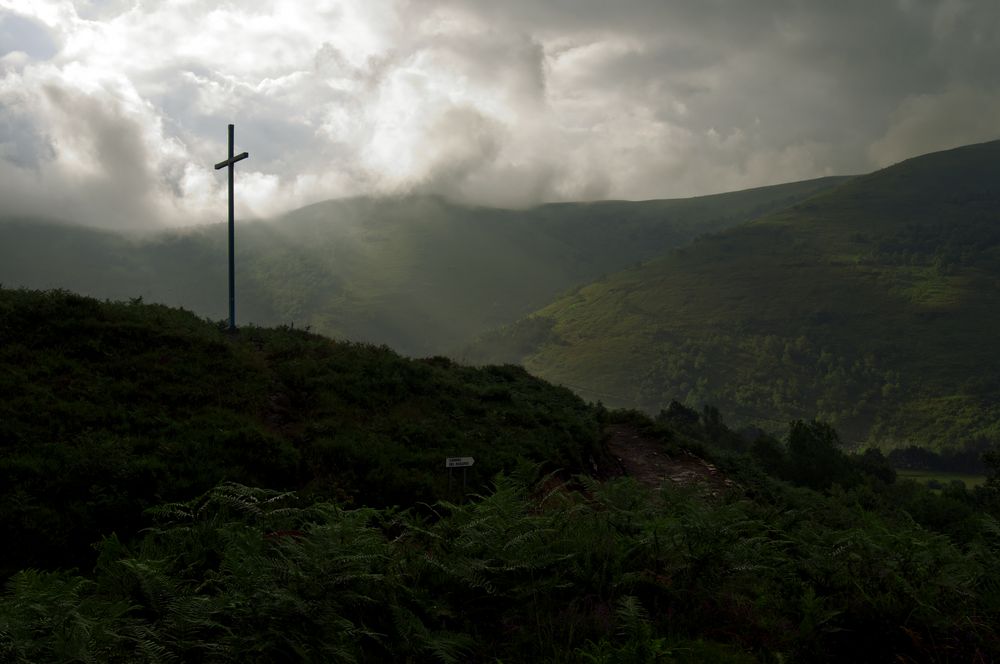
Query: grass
129	435
108	408
526	571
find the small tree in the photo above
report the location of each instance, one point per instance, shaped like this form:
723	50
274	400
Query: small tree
814	459
770	454
991	458
989	493
873	462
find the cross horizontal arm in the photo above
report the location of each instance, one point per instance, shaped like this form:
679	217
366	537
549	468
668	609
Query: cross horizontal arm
232	160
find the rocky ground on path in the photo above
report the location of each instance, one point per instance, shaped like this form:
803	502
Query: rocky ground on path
646	459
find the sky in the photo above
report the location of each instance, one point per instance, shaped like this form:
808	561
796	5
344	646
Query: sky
113	112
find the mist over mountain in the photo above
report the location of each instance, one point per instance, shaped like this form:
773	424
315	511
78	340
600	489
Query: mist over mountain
872	306
421	274
113	111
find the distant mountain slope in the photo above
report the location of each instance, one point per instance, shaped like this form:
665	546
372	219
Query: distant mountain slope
874	305
420	274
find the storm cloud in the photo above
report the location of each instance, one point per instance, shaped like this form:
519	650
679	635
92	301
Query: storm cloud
112	112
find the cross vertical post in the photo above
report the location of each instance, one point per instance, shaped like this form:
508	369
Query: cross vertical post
231	162
232	236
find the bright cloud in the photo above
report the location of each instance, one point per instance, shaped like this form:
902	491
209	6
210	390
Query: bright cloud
112	112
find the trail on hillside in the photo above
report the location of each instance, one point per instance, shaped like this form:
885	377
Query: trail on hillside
645	459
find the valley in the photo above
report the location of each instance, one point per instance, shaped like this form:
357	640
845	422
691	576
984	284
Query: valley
871	306
420	274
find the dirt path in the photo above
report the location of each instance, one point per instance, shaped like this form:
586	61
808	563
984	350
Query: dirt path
645	459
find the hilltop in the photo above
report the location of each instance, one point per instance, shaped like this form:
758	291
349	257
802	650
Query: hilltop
109	408
421	274
872	305
171	491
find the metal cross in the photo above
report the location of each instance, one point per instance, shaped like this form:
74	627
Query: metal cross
231	162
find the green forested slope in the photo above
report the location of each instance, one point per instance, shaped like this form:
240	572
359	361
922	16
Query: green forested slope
874	306
420	274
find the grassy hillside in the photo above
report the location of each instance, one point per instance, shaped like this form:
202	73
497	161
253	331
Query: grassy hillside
129	433
420	274
874	306
108	408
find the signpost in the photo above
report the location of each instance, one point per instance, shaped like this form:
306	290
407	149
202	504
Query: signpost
458	462
231	162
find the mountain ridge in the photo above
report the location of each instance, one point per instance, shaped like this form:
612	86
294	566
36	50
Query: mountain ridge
420	274
864	305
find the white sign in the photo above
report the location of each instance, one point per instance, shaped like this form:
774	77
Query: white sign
458	462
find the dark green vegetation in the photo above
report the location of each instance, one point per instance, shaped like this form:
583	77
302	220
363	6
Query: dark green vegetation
117	417
420	274
874	306
106	409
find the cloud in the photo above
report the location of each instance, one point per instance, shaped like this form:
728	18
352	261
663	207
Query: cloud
98	154
26	35
112	112
931	122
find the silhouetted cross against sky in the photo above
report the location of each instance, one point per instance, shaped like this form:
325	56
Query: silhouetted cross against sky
231	163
